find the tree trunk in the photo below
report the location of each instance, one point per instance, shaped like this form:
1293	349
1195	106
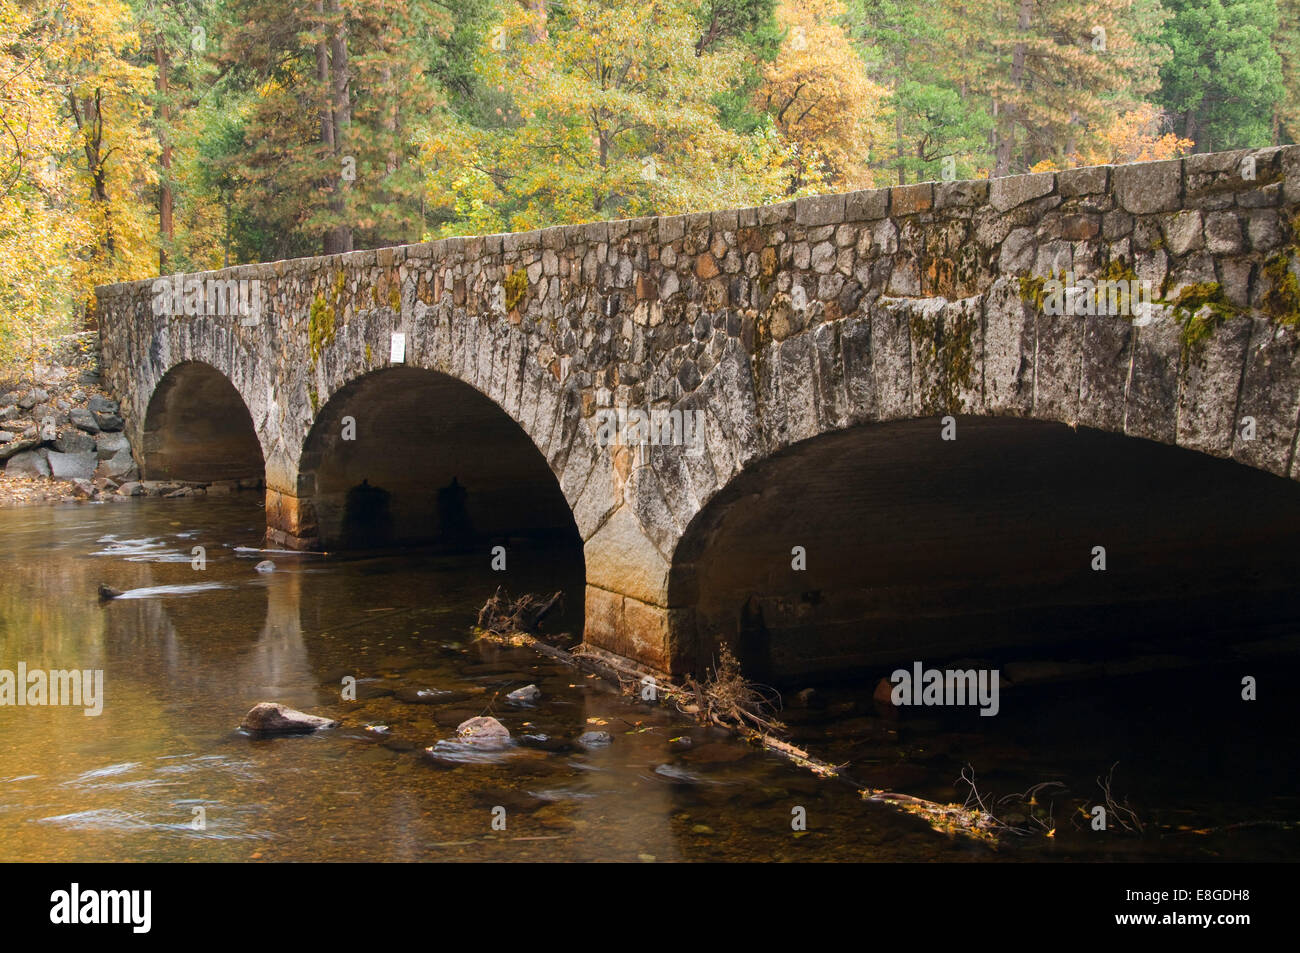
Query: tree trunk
166	230
338	238
1007	121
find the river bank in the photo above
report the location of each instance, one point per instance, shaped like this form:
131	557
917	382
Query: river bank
61	432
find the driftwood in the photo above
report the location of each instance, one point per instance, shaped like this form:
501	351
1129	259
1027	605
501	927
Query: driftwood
717	709
502	615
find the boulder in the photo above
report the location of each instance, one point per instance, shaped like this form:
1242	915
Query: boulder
107	421
120	466
102	405
49	430
270	718
84	489
107	444
84	419
71	466
74	441
594	739
6	436
130	488
30	463
17	445
483	732
32	398
9	412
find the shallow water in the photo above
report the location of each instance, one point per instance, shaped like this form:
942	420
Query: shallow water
186	653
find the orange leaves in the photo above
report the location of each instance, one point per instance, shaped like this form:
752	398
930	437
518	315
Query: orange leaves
819	93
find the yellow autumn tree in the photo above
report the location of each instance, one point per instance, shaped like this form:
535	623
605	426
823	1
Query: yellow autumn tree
605	111
819	95
37	226
76	158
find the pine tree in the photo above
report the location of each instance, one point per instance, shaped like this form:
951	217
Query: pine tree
1225	76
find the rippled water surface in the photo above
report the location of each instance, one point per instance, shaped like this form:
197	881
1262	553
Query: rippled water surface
187	653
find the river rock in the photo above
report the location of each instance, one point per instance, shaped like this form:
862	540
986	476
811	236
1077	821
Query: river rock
883	696
528	695
83	419
594	739
120	466
84	489
71	466
109	444
265	566
484	732
130	488
17	445
270	718
74	441
30	463
110	422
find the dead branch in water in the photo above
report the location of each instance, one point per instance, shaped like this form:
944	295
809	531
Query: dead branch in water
502	615
730	700
1122	813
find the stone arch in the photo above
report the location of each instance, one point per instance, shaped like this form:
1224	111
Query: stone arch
197	428
914	547
406	455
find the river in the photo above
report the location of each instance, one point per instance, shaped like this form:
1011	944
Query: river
164	773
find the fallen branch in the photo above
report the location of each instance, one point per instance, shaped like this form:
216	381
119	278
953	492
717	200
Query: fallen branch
502	615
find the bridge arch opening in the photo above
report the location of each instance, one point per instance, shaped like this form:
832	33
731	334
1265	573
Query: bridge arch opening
917	548
198	429
411	457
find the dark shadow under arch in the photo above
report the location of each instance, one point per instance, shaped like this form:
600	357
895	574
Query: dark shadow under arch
198	429
919	548
406	456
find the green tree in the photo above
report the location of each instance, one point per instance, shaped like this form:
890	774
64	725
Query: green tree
908	49
1224	78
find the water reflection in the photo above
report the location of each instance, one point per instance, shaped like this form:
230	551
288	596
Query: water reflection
189	651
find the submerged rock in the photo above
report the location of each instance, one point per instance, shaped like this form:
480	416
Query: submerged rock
594	739
270	718
265	566
108	592
483	732
528	695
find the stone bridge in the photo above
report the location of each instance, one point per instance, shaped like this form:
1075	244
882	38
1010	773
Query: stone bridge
825	513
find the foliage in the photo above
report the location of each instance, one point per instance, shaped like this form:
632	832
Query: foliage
184	135
1224	75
